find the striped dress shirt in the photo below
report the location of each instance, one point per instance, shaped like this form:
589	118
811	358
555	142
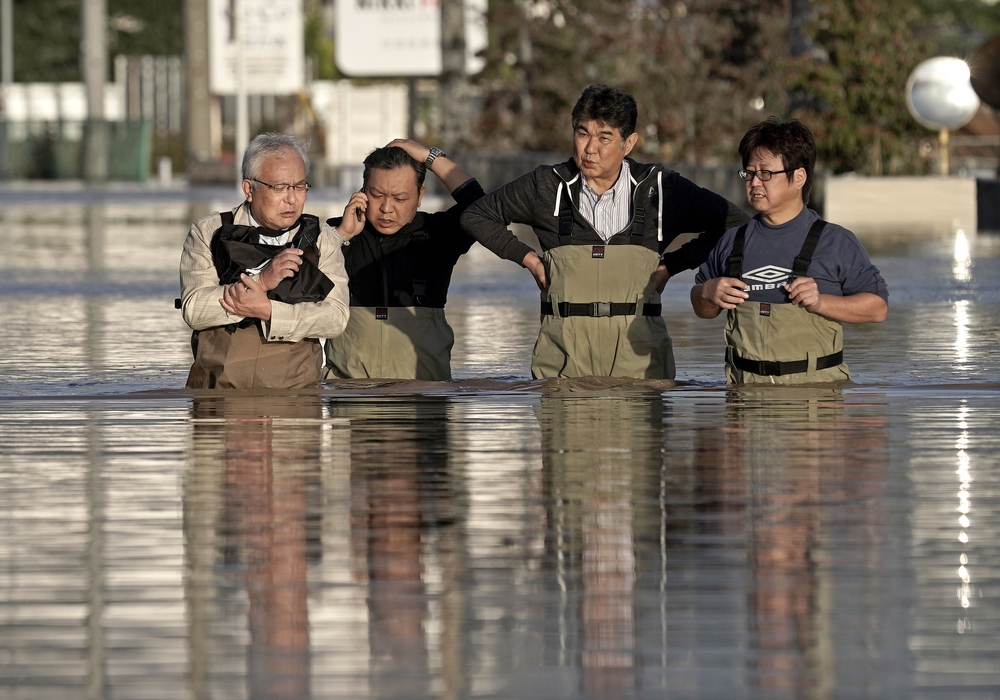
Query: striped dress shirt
611	212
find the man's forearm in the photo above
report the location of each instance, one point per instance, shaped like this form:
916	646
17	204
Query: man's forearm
863	307
481	222
703	308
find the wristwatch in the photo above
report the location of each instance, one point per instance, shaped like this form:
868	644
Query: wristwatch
434	154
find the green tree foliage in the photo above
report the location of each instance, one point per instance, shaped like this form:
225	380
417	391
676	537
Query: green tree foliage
47	34
46	40
319	42
703	71
146	27
699	70
850	91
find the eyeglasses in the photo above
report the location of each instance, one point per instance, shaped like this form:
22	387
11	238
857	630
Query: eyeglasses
282	187
763	175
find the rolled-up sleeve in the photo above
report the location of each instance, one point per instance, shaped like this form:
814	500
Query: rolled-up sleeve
200	287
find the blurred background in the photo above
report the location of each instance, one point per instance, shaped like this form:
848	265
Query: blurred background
173	88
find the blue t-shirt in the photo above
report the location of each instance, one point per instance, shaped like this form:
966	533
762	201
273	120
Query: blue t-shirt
840	264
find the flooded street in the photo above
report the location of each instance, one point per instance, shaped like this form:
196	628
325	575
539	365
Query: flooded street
491	537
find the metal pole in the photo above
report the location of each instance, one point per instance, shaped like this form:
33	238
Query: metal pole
7	41
455	115
94	60
943	152
242	122
199	109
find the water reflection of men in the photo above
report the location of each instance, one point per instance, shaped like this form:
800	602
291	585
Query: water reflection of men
603	459
262	283
262	460
782	463
787	278
404	512
400	262
604	222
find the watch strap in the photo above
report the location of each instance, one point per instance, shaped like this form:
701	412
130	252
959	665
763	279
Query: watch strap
434	155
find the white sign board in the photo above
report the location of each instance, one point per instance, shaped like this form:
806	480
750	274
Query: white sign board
273	59
401	37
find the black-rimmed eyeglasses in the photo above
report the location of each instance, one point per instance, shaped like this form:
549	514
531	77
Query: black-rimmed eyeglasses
282	187
762	175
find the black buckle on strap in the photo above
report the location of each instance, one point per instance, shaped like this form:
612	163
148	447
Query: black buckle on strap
600	309
769	368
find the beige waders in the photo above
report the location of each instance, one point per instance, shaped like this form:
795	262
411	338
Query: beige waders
782	344
243	360
396	342
601	315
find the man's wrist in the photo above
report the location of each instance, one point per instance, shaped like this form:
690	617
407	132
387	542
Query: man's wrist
434	154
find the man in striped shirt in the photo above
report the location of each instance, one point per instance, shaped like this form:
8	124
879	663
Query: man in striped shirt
604	222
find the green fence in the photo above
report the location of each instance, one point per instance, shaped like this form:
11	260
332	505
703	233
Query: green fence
54	150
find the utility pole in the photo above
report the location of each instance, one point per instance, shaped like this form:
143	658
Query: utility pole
7	41
199	133
455	112
242	118
94	60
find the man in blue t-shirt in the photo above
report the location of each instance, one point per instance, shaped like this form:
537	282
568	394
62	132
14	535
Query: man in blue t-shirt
787	279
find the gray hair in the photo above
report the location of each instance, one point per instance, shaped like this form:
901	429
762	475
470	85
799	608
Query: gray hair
267	144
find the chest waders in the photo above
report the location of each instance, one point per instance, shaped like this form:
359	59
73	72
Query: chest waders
782	343
238	356
600	315
395	342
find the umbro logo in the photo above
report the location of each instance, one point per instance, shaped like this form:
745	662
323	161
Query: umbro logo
768	273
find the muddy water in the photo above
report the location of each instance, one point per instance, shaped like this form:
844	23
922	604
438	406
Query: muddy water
494	537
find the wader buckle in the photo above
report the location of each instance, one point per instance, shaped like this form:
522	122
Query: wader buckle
600	308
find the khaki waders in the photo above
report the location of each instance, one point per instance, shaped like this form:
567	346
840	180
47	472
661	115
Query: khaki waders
783	345
396	342
601	315
241	359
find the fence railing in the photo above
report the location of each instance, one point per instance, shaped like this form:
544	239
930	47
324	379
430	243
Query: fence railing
54	149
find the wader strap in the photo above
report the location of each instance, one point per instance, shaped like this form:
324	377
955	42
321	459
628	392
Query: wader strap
565	218
599	309
420	238
308	234
638	226
227	218
777	369
801	266
736	255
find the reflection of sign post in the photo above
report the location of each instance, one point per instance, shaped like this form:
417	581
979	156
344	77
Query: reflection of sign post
939	95
272	48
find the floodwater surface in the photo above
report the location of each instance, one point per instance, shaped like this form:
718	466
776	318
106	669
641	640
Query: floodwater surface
491	537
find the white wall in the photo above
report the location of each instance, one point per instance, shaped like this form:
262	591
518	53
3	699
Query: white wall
358	118
55	101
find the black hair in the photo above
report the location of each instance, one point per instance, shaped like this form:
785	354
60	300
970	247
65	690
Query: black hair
791	140
607	105
390	158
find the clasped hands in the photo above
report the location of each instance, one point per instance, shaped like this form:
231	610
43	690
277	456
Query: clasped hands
729	292
247	297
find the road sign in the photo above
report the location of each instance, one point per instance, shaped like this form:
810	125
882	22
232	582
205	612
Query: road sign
273	60
400	38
